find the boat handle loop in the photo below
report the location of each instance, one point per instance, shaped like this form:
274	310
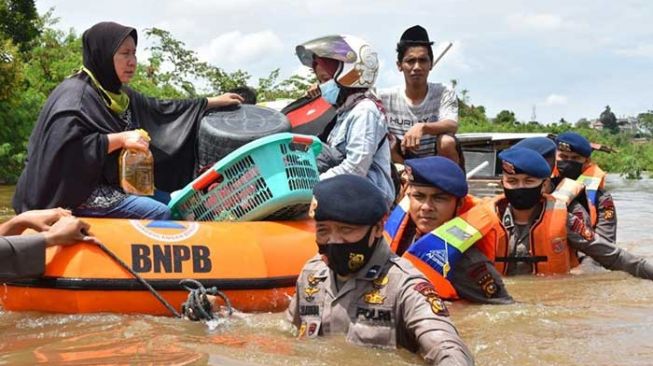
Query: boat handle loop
198	306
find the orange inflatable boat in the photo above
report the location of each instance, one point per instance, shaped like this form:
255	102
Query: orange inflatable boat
254	263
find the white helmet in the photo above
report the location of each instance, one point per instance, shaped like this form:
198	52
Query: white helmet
359	63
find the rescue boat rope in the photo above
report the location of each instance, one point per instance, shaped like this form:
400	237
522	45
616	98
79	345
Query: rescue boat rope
198	306
140	279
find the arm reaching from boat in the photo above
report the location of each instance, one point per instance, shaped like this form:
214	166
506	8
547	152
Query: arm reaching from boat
24	255
39	220
224	100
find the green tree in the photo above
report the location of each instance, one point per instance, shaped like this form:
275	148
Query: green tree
506	117
270	88
11	69
583	123
19	21
645	120
186	69
55	56
609	120
12	130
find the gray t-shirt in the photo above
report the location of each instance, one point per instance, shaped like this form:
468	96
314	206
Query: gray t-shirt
439	104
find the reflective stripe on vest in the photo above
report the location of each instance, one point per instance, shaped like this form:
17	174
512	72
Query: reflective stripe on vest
593	178
442	248
548	239
454	237
567	190
396	223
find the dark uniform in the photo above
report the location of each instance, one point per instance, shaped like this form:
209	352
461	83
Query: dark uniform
580	235
606	225
473	275
476	279
21	256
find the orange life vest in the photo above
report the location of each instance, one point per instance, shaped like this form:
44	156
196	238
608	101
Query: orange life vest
435	252
593	178
567	190
548	238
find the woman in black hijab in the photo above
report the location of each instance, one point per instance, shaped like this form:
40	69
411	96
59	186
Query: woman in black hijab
72	156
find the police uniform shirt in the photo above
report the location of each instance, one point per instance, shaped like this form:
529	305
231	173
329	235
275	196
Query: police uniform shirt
519	241
580	237
22	256
474	277
606	225
388	303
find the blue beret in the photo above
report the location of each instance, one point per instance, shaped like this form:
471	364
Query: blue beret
542	145
520	160
571	141
438	172
348	198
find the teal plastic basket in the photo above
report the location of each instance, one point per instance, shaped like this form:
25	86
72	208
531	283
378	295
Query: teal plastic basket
271	178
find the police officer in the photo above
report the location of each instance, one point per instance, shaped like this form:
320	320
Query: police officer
356	286
436	194
572	192
542	236
574	162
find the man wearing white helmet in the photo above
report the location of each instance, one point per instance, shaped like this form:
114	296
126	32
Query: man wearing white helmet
347	68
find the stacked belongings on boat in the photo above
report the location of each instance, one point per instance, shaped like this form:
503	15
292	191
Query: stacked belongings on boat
270	178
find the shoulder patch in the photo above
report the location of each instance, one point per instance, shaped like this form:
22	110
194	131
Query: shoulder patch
431	296
578	226
488	285
607	206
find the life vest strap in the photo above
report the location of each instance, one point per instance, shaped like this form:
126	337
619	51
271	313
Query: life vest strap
525	259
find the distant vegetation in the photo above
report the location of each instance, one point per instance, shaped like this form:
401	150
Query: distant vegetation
634	152
35	57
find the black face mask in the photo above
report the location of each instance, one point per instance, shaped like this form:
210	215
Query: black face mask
570	169
348	258
523	198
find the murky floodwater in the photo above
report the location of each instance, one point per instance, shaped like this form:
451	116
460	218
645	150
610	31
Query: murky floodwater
598	318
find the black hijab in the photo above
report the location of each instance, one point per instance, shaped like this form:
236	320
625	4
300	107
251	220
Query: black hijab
67	152
101	42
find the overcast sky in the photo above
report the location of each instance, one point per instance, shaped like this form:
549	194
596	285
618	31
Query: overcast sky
567	58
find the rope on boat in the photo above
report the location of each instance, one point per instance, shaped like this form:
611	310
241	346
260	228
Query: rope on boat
140	279
198	306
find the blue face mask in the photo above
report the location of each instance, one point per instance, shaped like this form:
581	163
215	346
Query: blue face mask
330	91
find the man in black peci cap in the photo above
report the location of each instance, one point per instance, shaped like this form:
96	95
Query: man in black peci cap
422	116
356	286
